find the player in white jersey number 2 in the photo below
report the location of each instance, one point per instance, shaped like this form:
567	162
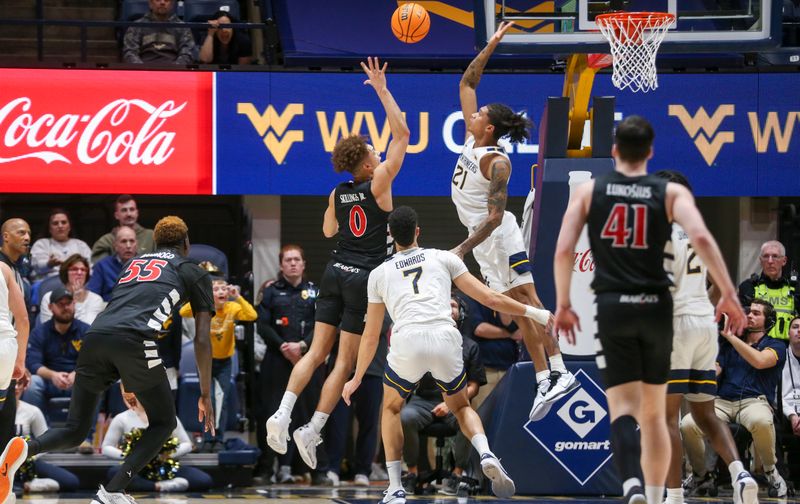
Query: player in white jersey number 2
479	191
414	285
693	363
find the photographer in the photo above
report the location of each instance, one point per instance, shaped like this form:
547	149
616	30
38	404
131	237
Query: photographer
748	370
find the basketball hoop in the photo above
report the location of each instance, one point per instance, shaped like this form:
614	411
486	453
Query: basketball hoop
634	38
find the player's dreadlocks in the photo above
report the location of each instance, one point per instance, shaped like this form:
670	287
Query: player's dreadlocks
349	153
170	231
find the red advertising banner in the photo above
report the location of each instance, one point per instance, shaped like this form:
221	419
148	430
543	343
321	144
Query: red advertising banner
76	131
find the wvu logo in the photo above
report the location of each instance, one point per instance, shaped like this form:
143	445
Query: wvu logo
710	141
272	120
76	344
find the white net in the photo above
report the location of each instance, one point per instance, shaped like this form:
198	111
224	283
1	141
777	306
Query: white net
634	38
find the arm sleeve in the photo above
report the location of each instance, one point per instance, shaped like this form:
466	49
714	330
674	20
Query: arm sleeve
40	254
786	386
453	263
112	438
34	357
375	285
185	442
186	311
38	423
264	321
780	350
186	48
198	284
102	247
247	313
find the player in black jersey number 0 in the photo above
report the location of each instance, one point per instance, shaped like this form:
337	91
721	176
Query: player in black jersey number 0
358	211
629	214
121	344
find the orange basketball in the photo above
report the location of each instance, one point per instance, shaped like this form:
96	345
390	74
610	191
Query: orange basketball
410	23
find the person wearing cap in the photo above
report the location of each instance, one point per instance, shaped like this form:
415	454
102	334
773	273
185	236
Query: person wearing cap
53	350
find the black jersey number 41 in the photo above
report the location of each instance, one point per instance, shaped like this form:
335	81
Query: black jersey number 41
143	270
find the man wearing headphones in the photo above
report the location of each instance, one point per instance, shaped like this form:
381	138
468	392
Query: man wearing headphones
748	370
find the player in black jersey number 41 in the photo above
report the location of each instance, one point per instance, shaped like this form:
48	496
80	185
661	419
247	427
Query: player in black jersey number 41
121	344
629	214
358	211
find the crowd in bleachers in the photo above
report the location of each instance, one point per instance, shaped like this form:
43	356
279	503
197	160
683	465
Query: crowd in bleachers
68	283
174	45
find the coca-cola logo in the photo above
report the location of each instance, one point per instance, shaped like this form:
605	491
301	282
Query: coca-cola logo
584	261
132	130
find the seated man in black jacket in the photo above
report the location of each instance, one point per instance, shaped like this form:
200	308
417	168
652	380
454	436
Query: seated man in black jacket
427	404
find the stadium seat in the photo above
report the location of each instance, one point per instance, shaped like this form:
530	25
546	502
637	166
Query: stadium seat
201	252
440	431
198	11
131	10
42	287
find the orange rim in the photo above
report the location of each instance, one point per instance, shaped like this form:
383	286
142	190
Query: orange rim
629	25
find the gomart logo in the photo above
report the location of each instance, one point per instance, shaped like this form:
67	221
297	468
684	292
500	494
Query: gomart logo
576	431
135	131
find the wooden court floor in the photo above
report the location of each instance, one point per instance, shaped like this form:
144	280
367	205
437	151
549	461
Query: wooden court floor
344	495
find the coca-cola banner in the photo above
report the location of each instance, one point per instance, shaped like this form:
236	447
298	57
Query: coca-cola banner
83	131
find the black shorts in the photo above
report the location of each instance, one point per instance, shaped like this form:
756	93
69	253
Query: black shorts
342	297
635	335
104	358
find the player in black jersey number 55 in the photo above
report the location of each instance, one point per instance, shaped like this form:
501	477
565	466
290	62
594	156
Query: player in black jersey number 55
122	344
357	211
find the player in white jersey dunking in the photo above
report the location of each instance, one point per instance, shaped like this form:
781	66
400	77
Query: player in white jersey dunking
414	285
479	191
13	345
693	363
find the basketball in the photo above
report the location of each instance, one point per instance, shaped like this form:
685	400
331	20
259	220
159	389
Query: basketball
410	23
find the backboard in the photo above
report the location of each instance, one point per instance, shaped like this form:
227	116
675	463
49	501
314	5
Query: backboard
567	26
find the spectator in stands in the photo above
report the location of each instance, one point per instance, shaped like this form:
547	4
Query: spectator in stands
791	394
184	478
772	286
16	243
127	214
225	46
498	339
426	405
40	476
229	307
74	273
791	378
107	270
748	370
52	357
156	45
366	406
286	323
47	254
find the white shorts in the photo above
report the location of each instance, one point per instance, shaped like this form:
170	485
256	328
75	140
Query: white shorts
693	369
417	350
8	356
503	257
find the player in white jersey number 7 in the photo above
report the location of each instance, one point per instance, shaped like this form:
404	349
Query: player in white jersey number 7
479	191
414	285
